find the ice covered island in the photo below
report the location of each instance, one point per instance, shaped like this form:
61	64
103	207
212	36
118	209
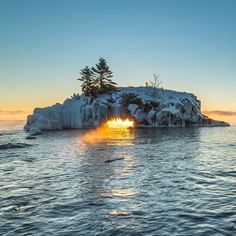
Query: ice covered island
101	100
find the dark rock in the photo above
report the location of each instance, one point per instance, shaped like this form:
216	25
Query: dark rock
116	159
29	137
14	145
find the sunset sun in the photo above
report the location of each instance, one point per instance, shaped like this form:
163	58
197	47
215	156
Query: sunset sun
120	123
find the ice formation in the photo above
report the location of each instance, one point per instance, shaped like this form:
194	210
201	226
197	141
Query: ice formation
148	107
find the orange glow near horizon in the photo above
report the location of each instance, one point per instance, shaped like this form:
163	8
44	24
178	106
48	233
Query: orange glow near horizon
229	119
11	117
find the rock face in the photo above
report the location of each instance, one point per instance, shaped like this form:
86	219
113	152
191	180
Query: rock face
147	106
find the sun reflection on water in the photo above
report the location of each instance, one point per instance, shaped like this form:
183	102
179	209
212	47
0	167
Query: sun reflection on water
118	213
117	163
111	133
120	192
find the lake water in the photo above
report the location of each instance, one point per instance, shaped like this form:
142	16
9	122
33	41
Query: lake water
179	181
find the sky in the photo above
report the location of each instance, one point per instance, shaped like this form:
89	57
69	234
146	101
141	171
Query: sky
44	44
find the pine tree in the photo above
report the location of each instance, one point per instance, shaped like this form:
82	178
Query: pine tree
97	80
87	79
102	75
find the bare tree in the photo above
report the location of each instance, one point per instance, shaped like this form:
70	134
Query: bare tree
155	83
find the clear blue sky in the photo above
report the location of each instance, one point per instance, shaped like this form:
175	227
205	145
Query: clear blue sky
44	44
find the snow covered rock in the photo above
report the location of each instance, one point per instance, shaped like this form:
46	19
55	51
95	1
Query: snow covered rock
35	131
164	108
48	118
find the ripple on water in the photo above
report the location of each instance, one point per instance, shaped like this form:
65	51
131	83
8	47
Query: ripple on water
161	182
118	193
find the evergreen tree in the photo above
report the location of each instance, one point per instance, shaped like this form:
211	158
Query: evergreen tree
87	79
97	80
102	75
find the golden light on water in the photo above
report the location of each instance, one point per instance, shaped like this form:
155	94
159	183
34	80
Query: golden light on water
115	131
118	213
118	123
123	193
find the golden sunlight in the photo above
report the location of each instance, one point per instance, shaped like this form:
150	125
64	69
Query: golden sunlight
115	131
119	123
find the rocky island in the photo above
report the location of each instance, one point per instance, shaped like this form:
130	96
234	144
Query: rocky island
102	100
148	108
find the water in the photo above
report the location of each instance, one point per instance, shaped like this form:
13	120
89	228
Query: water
170	182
